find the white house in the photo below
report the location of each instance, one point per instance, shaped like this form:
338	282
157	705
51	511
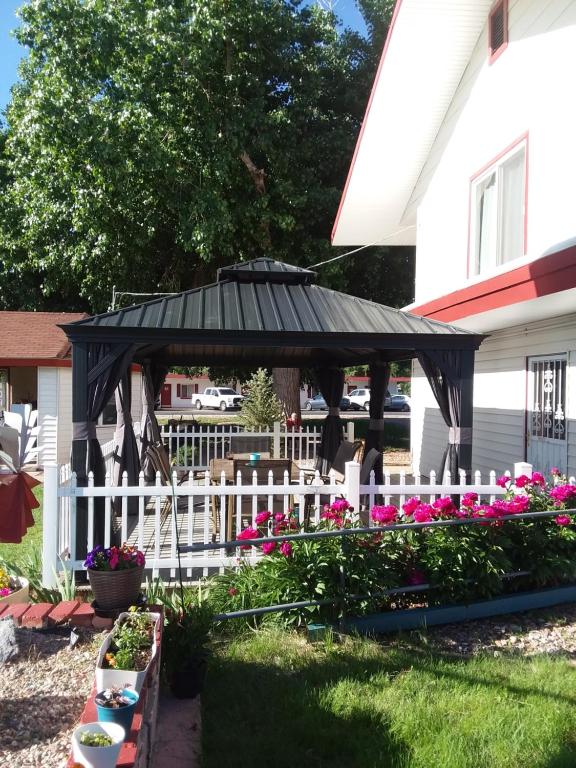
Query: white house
467	151
36	368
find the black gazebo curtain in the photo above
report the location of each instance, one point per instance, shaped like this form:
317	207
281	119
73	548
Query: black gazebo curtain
152	379
330	382
445	372
125	446
379	378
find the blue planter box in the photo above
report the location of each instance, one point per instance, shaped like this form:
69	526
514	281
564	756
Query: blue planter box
418	618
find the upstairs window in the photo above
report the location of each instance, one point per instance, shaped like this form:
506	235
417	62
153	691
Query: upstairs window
498	28
498	207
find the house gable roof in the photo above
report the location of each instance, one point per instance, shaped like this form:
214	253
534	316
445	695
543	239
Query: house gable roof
35	335
427	50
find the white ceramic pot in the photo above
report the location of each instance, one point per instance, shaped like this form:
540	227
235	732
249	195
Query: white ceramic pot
98	757
119	678
19	595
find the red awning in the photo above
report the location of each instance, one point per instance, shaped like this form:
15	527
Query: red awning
16	504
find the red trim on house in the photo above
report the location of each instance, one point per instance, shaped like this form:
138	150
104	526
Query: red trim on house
549	274
495	160
495	54
21	362
363	126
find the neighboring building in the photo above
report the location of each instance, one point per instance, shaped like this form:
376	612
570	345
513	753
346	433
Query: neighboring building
467	151
36	368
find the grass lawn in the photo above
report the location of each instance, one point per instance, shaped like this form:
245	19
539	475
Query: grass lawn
18	553
271	700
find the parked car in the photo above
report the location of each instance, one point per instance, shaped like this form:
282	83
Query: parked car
317	403
399	403
360	399
218	397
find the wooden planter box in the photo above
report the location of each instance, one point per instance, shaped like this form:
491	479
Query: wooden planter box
419	618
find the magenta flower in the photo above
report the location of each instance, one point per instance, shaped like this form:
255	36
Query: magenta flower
555	472
5	591
278	517
522	481
409	506
538	479
415	577
286	549
444	506
469	499
563	520
423	513
503	481
263	517
268	547
384	514
563	493
339	505
247	534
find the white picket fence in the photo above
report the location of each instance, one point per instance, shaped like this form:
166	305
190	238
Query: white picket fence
203	510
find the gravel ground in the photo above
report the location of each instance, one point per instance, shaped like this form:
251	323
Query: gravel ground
42	695
550	630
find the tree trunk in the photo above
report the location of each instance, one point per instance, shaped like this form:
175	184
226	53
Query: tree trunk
287	389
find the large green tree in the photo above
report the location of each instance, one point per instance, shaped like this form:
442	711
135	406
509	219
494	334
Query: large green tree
151	141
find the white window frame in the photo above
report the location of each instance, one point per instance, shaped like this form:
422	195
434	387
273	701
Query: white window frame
497	167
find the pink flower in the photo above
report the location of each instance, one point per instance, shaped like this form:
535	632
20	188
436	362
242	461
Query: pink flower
384	515
563	520
286	549
469	499
5	591
563	493
444	506
247	534
339	505
424	513
555	472
538	479
409	506
262	517
114	559
278	517
268	547
503	481
232	591
521	481
415	577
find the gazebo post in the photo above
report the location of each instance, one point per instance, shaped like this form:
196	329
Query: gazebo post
466	412
79	455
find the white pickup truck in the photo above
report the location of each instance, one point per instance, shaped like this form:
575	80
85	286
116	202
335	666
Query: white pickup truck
218	397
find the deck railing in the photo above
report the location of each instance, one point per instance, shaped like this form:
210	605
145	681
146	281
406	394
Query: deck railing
191	447
207	512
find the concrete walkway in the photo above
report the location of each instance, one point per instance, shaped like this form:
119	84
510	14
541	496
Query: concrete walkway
178	733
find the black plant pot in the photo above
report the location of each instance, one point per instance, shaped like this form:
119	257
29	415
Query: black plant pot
188	681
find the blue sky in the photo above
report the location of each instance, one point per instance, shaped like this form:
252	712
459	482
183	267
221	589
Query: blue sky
11	52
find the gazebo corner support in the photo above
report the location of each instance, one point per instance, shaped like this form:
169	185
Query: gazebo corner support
466	413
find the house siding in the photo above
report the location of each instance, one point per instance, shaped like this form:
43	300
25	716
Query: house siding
48	415
495	104
500	383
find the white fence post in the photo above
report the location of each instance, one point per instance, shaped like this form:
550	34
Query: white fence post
276	441
522	468
351	431
50	526
352	484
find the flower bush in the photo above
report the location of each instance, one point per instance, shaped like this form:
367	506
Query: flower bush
460	562
114	558
8	584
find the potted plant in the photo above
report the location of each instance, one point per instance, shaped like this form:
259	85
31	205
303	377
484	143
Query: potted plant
115	575
97	745
126	654
186	650
117	705
13	589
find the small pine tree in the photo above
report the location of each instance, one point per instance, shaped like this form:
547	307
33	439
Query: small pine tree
261	408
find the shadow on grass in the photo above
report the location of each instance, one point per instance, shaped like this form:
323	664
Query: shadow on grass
270	717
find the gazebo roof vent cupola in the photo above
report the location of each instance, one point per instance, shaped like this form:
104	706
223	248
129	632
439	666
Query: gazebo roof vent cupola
264	270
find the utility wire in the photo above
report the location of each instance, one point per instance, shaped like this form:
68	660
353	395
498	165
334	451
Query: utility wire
361	248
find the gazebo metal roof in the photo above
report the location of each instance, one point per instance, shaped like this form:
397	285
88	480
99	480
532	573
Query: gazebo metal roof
267	312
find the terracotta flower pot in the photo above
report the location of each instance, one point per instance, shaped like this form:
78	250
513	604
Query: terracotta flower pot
116	589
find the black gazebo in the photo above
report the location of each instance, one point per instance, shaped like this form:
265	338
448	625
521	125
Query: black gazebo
262	312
